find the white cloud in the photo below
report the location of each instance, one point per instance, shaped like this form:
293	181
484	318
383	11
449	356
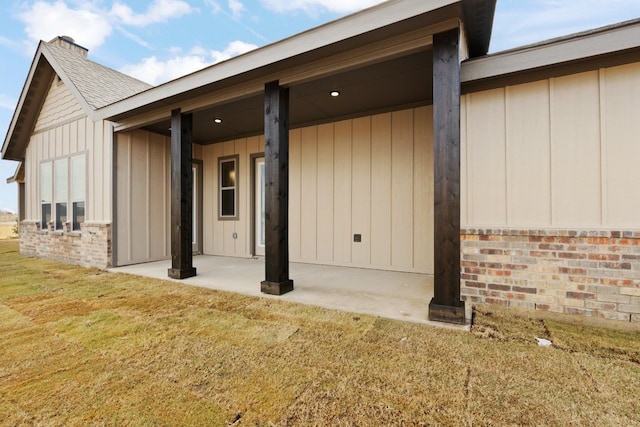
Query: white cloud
90	24
313	6
214	5
155	71
158	11
45	20
7	102
234	48
134	38
198	50
12	44
236	8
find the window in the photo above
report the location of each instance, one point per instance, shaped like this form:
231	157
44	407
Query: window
62	192
228	186
78	178
45	194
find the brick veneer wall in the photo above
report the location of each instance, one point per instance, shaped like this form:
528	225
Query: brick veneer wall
91	247
590	273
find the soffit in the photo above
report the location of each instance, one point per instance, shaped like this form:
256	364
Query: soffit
385	86
478	20
607	46
388	21
29	104
378	62
18	175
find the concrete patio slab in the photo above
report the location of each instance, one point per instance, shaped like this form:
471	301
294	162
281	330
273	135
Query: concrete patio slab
388	294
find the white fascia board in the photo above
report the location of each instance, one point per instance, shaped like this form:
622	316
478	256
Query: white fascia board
556	52
379	16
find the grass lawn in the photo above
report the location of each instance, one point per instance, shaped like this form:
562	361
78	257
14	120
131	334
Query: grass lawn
83	347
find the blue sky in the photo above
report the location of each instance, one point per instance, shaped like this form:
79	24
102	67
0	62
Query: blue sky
158	40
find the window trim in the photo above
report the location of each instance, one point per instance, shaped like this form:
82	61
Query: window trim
235	158
67	226
57	202
72	199
49	163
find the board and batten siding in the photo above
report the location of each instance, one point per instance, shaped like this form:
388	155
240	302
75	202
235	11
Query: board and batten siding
371	176
63	130
143	173
143	192
559	152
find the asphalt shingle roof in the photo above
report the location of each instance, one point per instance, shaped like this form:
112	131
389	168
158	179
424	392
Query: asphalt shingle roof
98	85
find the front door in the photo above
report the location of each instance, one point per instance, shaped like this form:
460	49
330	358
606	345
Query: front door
258	215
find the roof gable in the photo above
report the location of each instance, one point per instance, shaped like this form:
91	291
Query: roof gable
59	106
93	86
96	84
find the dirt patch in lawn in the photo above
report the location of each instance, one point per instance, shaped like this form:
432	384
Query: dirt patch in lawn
83	347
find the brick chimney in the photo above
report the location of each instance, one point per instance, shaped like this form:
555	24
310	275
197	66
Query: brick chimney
68	43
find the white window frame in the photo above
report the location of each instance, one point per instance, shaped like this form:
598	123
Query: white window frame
77	189
44	200
60	192
68	193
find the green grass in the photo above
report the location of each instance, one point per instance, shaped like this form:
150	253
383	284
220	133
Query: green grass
84	347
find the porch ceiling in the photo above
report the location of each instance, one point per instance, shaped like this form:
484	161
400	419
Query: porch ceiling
403	81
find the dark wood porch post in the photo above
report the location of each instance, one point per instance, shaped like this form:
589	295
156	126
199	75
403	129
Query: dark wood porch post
181	196
446	305
276	159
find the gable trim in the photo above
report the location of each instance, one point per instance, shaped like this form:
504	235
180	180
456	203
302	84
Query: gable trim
43	70
15	142
67	81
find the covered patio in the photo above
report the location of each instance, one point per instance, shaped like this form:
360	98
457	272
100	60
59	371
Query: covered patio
371	104
388	294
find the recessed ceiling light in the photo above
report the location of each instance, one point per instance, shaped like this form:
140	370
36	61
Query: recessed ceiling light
334	93
217	120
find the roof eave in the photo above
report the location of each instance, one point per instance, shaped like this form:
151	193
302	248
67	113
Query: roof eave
574	48
382	15
43	68
15	143
478	19
18	175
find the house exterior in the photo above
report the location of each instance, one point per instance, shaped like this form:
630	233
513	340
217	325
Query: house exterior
384	140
